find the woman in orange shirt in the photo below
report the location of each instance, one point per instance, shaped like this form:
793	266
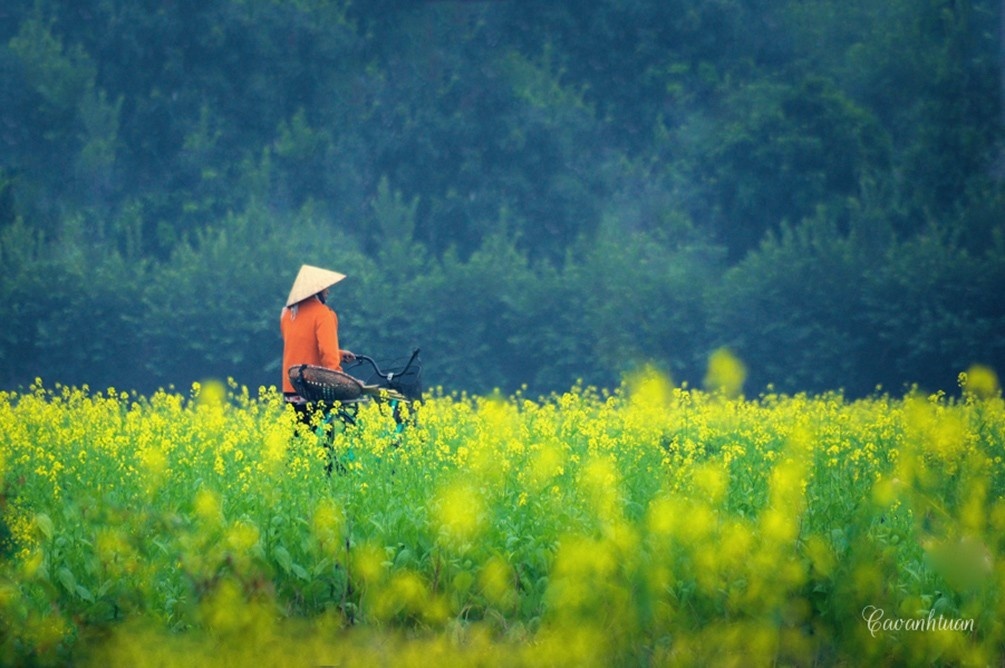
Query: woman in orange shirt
309	327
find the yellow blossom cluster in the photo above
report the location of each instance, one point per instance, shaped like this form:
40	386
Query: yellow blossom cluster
652	524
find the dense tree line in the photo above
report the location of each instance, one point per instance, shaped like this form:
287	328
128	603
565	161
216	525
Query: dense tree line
532	192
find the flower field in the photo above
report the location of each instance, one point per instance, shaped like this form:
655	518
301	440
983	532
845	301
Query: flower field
654	525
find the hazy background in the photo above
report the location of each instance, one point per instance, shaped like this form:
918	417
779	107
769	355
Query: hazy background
532	192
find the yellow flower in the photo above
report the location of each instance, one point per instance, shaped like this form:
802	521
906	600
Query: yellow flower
980	381
458	511
208	507
725	373
498	583
327	523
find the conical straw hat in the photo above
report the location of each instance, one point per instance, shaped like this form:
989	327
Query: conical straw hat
310	281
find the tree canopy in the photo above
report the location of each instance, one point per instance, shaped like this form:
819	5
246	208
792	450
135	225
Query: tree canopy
535	193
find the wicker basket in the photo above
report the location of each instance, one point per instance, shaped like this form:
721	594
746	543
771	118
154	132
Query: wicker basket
320	384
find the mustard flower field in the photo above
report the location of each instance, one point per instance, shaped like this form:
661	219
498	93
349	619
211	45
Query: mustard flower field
652	525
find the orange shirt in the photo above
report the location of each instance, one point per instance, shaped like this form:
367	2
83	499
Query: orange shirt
309	338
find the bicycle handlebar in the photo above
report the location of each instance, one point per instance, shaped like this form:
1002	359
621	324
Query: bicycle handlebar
373	363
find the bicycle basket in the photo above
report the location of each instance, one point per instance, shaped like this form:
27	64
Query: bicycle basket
320	384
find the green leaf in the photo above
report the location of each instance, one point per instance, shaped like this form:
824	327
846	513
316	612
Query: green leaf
66	579
403	558
282	557
45	526
321	566
85	594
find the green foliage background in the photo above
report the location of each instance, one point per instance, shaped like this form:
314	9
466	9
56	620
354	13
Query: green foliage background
531	192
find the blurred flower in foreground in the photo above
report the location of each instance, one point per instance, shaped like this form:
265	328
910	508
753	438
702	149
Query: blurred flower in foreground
981	381
725	373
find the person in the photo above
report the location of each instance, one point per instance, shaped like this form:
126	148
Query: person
310	328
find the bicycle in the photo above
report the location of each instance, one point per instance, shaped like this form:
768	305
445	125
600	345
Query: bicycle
339	394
